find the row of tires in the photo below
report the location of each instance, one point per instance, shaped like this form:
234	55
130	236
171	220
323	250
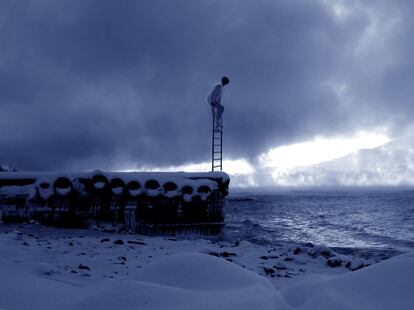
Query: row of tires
142	205
100	184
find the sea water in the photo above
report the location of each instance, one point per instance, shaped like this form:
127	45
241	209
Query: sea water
382	219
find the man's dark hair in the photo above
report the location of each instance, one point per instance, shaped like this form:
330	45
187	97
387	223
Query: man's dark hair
225	80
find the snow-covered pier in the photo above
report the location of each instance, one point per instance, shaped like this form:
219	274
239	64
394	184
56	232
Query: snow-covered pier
145	202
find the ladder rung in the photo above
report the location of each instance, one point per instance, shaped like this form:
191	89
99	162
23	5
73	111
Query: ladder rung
217	152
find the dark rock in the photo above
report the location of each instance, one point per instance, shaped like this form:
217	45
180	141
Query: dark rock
122	258
269	271
321	250
288	259
119	241
264	257
334	262
237	243
105	240
214	254
297	250
70	243
326	254
227	254
25	244
84	267
73	271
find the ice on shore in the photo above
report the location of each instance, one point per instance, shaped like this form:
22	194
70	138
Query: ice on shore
187	281
48	268
386	285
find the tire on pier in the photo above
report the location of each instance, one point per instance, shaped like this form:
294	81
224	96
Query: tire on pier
81	201
116	203
39	207
133	201
169	203
61	202
211	214
99	195
188	211
148	211
204	192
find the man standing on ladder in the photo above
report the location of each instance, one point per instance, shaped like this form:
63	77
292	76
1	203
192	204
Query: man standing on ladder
214	99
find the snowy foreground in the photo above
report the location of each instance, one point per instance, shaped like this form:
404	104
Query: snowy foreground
47	268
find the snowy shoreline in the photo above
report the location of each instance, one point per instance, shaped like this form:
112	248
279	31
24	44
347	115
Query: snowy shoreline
46	268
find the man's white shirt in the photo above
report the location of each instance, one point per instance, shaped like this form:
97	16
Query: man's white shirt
216	94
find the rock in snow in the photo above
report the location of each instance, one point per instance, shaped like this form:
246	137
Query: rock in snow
175	275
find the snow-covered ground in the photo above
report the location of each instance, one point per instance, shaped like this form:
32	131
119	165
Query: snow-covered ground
50	268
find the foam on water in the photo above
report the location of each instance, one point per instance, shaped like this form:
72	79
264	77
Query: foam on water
350	219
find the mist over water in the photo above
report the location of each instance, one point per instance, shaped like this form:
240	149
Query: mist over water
337	218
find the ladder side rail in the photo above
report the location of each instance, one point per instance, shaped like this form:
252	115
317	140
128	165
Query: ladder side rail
221	149
212	147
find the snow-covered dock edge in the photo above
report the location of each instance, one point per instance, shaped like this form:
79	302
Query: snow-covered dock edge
143	202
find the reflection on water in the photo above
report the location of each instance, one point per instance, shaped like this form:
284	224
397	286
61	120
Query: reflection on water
357	219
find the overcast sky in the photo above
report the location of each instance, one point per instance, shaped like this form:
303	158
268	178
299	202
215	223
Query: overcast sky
105	84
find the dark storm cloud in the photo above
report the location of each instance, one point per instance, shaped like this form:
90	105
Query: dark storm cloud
89	84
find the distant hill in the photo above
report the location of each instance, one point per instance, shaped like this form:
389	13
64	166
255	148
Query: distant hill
7	168
390	164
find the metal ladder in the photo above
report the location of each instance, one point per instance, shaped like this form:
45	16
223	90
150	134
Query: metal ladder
216	149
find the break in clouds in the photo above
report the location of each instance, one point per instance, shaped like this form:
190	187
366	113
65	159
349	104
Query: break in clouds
106	84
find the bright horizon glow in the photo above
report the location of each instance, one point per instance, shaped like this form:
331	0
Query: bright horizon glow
234	167
320	150
282	159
